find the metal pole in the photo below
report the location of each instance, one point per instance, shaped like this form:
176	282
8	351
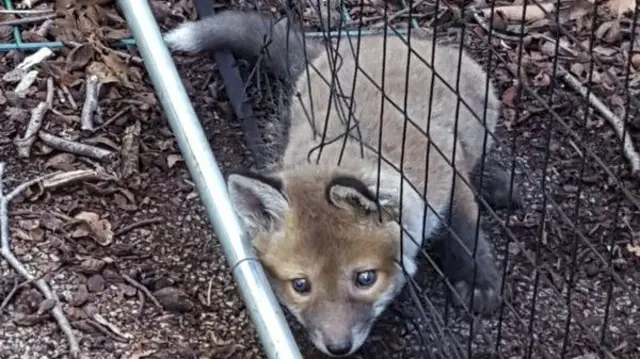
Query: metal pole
264	309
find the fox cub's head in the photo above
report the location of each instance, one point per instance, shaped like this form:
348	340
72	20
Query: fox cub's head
330	250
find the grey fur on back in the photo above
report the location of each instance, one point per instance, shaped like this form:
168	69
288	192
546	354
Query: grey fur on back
247	35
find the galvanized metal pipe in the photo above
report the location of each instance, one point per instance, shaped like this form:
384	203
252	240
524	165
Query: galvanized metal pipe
264	309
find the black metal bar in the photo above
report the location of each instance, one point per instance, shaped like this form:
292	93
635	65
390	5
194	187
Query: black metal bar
234	87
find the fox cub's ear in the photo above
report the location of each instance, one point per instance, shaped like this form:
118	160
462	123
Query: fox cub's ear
258	200
352	194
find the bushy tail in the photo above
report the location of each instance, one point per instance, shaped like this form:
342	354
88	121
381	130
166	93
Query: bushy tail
247	35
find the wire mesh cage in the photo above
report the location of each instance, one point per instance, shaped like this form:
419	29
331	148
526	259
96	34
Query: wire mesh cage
566	238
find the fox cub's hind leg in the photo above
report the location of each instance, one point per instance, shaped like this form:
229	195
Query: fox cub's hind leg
457	256
496	183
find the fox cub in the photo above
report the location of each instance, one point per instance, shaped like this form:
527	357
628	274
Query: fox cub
328	233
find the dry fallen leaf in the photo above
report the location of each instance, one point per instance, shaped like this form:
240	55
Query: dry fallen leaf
100	228
634	249
577	69
173	159
29	224
105	75
609	32
79	56
116	34
51	222
579	9
37	234
621	7
62	161
92	265
117	67
80	296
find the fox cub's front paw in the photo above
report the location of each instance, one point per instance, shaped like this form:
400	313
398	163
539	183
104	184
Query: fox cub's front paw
486	296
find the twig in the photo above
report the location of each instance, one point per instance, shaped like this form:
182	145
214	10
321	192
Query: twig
100	319
115	117
102	329
27	80
25	143
18	73
92	90
72	102
27	20
143	289
71	177
141	300
32	12
15	289
7	254
77	148
61	96
138	224
130	151
6	300
617	123
209	291
43	30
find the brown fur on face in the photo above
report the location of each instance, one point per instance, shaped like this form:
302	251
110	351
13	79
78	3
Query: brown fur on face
327	246
328	239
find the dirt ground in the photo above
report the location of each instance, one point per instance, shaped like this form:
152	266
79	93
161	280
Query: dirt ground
99	242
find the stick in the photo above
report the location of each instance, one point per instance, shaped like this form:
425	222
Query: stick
32	12
37	57
27	80
90	102
130	150
138	224
77	148
100	319
72	102
103	329
7	254
115	117
25	143
141	307
27	20
143	289
7	299
44	28
72	177
617	123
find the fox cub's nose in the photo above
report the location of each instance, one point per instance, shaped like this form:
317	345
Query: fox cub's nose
339	348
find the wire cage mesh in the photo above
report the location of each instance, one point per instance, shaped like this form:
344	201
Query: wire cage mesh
569	252
568	248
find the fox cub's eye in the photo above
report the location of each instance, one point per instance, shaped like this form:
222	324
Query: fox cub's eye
301	285
366	279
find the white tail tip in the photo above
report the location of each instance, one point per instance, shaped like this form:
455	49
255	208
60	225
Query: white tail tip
182	38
